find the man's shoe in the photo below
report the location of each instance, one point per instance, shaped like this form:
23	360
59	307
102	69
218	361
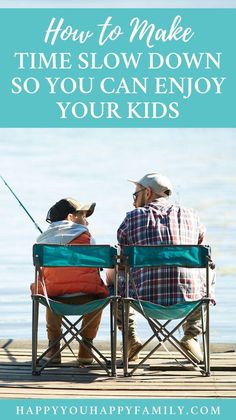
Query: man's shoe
192	347
134	346
50	353
84	356
85	360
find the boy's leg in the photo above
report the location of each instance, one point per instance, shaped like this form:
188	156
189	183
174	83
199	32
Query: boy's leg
89	327
53	326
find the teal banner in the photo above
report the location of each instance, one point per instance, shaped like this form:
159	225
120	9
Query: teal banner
220	409
117	67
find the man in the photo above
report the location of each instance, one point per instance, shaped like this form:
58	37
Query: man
78	285
156	222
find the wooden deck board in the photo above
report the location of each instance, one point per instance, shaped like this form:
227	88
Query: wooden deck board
161	377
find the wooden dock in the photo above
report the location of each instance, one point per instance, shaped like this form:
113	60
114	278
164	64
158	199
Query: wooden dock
163	377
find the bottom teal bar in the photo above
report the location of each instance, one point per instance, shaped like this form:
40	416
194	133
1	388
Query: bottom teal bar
217	409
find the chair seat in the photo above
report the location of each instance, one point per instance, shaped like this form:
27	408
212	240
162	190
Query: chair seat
177	311
67	309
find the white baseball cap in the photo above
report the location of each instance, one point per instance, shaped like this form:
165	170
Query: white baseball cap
159	184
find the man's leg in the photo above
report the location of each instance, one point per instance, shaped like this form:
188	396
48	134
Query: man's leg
134	343
192	328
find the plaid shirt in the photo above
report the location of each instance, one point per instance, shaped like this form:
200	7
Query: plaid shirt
159	223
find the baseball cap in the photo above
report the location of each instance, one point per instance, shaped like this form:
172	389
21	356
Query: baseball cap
62	208
159	183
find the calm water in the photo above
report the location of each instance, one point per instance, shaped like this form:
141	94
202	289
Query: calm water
44	165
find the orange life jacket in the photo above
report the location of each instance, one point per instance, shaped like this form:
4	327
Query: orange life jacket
67	280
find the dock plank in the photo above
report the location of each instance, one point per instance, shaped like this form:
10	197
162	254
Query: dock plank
161	377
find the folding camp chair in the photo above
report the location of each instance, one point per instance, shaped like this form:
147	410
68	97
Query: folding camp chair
160	317
98	256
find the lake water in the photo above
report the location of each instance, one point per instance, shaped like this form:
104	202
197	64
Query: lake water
44	165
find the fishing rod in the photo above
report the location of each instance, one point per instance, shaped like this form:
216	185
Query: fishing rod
21	204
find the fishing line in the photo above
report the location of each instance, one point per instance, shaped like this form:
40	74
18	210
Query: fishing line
21	204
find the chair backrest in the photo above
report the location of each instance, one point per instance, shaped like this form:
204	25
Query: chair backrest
100	256
189	256
192	256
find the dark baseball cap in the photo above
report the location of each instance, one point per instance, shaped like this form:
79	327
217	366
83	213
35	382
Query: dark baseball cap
62	208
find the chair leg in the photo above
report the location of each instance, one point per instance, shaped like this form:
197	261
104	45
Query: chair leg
204	343
206	338
35	316
125	326
208	369
113	331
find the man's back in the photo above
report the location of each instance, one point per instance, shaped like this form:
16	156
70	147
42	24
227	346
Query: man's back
159	223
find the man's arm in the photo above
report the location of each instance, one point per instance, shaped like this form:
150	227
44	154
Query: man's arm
122	232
